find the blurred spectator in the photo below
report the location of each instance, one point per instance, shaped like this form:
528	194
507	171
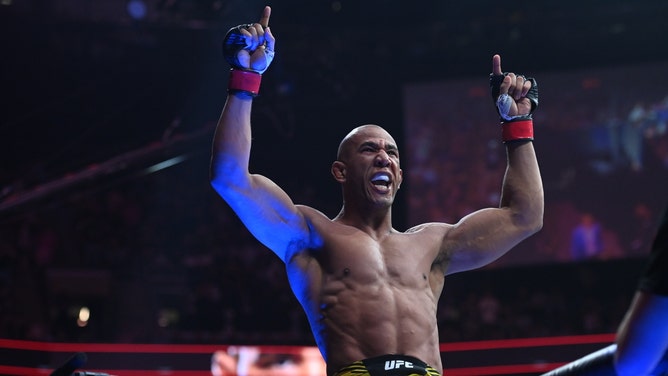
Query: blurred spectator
642	226
586	238
633	132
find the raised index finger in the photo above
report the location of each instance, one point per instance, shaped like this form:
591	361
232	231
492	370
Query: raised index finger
496	65
264	19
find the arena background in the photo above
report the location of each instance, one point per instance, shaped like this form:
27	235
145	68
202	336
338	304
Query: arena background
105	130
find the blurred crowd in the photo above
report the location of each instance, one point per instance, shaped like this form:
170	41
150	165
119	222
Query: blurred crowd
603	158
161	259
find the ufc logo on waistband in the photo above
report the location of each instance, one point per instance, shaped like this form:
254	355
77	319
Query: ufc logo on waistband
394	364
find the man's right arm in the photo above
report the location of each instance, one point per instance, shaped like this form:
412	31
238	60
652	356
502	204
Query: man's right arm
263	207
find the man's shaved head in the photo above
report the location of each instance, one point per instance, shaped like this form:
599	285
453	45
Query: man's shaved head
346	143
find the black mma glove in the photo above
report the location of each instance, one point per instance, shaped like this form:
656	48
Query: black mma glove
513	127
235	41
240	50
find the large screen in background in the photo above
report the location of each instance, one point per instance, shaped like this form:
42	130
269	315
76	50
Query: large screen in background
602	143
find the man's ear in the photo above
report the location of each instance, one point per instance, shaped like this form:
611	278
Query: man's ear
401	178
339	171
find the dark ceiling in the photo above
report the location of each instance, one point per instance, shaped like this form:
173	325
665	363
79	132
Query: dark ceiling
82	82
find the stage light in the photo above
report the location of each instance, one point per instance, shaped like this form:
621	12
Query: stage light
84	316
136	9
165	164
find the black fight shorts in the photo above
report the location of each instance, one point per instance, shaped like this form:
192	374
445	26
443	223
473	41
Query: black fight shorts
388	365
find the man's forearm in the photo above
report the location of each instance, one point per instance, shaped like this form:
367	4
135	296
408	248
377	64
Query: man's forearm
232	139
522	187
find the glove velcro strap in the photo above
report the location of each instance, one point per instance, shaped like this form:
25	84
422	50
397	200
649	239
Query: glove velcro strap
517	130
242	81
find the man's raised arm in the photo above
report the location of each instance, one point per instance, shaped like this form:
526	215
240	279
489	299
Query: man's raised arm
263	207
486	235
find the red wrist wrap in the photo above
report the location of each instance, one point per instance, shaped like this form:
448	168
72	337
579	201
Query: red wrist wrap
517	130
244	82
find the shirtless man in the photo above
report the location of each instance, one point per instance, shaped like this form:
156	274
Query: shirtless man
370	292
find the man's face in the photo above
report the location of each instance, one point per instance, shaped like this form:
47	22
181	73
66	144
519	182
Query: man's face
371	160
307	361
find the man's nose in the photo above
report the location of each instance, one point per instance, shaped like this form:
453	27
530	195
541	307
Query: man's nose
382	159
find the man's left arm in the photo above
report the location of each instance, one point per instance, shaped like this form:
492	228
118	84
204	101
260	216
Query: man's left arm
485	235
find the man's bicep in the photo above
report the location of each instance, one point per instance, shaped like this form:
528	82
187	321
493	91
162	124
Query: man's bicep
269	214
480	238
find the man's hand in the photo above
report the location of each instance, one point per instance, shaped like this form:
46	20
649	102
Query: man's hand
251	46
259	51
514	95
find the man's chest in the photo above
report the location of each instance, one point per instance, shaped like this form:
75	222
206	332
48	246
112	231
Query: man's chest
399	259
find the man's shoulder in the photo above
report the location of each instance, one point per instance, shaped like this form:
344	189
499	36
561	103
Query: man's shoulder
311	213
429	227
